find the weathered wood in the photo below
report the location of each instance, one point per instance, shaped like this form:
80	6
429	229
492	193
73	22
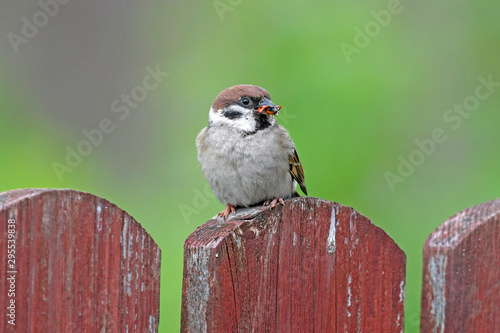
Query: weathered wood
308	266
81	265
461	273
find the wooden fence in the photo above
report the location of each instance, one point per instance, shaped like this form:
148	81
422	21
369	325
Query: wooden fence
317	266
74	262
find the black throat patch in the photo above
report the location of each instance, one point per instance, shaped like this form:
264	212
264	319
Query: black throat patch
261	122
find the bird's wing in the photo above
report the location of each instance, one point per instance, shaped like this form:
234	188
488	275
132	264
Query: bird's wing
297	171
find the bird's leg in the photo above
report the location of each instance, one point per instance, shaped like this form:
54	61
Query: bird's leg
273	202
228	210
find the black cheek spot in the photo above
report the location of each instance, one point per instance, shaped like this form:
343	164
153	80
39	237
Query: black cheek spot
232	114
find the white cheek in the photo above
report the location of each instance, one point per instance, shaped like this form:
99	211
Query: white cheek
246	123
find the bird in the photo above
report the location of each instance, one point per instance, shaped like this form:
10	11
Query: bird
246	157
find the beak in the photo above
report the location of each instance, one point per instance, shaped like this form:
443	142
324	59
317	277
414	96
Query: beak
268	107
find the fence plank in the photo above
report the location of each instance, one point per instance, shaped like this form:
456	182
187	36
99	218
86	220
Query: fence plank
310	265
461	273
81	264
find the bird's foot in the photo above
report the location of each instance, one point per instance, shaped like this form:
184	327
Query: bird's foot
273	202
228	210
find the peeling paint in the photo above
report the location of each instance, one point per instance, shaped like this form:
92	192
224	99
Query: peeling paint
152	324
130	243
99	217
349	294
197	263
237	239
255	230
437	268
124	237
294	239
129	279
330	242
402	290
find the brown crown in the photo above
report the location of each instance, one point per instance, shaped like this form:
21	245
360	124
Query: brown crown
233	94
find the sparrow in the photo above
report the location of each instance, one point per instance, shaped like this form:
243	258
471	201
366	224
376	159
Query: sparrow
244	154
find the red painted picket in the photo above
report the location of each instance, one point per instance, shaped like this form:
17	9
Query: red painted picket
461	277
74	262
308	266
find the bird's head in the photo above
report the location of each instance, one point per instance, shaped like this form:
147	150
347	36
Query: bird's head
245	107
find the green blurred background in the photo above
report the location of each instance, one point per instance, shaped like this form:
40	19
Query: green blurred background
353	118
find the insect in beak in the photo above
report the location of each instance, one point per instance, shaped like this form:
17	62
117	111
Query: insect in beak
268	107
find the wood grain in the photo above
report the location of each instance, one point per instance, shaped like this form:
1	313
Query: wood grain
461	273
308	266
83	265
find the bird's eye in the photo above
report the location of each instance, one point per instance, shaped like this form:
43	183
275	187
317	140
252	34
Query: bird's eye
245	101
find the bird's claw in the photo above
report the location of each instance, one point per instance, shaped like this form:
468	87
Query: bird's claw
273	202
228	210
